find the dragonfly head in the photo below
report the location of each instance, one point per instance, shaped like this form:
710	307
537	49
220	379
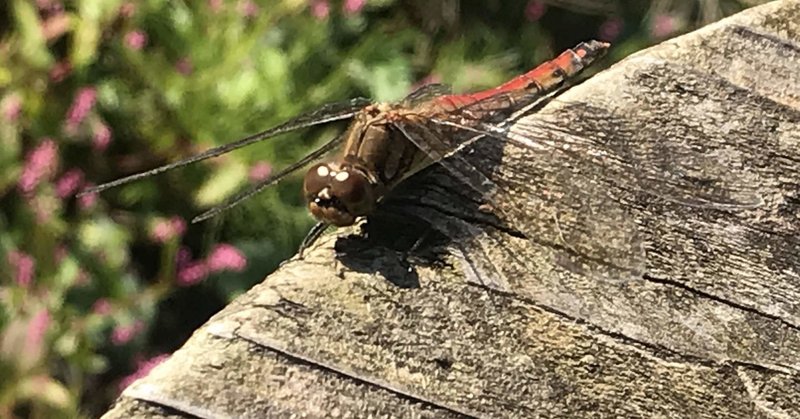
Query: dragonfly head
337	195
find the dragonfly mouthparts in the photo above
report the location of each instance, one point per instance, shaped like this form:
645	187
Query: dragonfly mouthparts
327	201
331	211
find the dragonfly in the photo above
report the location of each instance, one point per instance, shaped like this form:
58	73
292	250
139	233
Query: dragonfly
386	143
382	145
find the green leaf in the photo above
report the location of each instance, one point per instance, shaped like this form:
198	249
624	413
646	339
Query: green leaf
88	28
106	237
385	81
67	273
390	81
33	45
45	390
222	184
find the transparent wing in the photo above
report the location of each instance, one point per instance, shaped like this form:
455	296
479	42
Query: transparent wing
689	170
588	232
565	179
247	193
433	142
325	114
425	93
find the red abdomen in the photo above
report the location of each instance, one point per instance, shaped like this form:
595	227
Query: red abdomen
541	79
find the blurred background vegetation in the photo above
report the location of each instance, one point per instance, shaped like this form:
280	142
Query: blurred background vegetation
96	290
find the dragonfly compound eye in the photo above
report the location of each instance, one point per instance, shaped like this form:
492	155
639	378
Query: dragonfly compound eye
351	188
317	178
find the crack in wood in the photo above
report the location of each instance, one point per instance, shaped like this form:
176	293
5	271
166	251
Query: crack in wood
718	299
280	349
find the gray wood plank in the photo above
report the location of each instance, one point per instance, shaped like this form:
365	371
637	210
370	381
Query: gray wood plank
698	316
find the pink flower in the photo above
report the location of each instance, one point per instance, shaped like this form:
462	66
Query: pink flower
192	273
40	164
60	71
47	4
69	183
320	9
123	334
248	8
184	66
127	9
352	7
260	171
101	138
50	6
161	231
12	108
81	106
37	329
166	229
86	202
535	9
610	29
663	26
102	307
57	24
136	40
226	257
60	252
82	278
142	369
183	257
23	266
215	5
178	225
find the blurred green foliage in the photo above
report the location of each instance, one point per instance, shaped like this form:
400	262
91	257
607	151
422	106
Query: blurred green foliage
94	289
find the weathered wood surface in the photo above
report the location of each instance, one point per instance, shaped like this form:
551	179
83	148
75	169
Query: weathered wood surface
709	328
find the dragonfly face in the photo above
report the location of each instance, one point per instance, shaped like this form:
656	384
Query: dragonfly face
338	194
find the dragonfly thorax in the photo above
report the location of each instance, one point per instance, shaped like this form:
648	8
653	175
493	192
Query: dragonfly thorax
338	195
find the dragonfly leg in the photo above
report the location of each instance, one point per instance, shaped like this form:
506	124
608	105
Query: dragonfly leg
312	237
410	251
